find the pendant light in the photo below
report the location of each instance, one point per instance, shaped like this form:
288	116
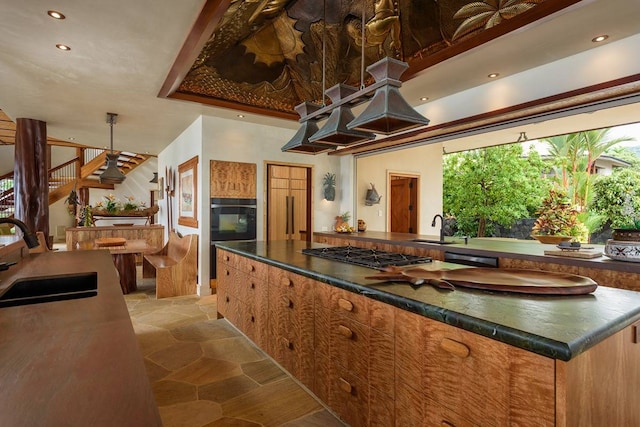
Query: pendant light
388	112
335	130
112	175
300	142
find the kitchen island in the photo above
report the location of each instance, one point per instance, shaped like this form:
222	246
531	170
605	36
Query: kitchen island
387	353
508	253
74	362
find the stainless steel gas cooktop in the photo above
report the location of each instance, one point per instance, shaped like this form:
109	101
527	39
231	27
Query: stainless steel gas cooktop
371	258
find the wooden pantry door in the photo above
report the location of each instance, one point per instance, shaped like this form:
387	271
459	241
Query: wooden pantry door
288	202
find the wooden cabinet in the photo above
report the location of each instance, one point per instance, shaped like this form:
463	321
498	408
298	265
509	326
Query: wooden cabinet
375	364
354	347
288	203
291	323
468	379
233	179
242	295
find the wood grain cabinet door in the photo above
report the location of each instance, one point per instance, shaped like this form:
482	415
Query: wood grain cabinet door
488	381
233	179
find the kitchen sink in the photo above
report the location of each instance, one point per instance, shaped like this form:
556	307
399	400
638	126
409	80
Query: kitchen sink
35	290
437	242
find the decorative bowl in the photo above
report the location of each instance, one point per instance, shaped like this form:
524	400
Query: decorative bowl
622	250
551	239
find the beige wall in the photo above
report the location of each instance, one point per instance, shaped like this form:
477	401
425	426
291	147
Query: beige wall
424	161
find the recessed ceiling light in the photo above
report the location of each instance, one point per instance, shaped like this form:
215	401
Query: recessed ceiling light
240	116
600	38
55	14
424	98
71	138
63	47
493	75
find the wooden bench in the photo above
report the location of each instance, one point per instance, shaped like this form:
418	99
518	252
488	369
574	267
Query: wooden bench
175	266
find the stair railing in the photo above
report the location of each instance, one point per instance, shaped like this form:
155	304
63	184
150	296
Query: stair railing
7	205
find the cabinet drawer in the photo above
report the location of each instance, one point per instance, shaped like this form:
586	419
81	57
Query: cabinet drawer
488	380
226	257
249	289
254	268
348	305
349	346
438	415
348	397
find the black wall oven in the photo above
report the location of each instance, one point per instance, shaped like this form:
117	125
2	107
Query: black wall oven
231	219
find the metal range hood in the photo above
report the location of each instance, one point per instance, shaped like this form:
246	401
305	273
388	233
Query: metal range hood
388	112
335	130
300	142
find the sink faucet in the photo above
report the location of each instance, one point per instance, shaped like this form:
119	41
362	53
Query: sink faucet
433	224
29	238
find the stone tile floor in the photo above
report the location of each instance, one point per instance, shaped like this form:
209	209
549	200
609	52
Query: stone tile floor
205	373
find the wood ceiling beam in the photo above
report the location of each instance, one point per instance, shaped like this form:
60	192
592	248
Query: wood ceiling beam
208	20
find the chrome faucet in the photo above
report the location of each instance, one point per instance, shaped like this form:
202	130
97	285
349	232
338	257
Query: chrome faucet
433	224
29	238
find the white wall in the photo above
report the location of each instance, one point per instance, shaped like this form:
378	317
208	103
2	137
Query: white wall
425	161
230	141
213	138
183	148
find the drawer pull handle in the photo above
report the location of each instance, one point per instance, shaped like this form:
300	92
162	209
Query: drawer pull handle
252	268
345	332
253	319
227	299
253	285
288	344
345	304
286	282
227	273
287	302
444	423
226	258
454	347
345	386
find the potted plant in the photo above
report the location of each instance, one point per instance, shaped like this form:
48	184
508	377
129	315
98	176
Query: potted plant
627	226
557	219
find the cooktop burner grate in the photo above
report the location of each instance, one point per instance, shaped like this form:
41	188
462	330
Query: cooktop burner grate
371	258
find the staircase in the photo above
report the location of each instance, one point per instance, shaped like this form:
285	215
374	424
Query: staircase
81	172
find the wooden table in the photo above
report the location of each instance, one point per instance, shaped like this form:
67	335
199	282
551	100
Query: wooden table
124	259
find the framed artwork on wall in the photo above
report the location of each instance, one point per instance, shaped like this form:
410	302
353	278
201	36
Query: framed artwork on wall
188	193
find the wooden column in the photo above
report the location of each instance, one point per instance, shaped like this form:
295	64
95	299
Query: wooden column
31	175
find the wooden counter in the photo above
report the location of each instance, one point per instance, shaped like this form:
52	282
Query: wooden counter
73	362
153	234
511	253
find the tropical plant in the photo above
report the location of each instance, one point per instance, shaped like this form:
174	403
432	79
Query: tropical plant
492	185
574	157
617	198
556	216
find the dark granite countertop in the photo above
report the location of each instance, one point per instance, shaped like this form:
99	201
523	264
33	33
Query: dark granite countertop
497	247
559	327
75	362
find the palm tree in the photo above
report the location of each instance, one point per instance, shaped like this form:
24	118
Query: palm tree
488	13
577	154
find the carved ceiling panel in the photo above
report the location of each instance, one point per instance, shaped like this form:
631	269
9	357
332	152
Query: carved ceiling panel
268	56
